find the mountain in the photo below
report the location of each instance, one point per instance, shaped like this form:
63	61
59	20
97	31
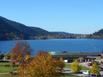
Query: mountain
39	31
96	35
13	30
100	32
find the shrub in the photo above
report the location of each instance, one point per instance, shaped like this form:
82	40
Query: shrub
75	67
95	70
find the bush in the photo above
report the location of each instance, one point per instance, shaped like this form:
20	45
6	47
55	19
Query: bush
95	70
75	67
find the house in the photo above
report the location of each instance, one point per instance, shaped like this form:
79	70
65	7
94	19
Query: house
82	57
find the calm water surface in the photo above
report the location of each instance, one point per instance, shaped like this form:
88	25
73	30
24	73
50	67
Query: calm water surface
71	45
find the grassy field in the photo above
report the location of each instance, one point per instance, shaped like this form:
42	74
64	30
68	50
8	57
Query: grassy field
6	67
82	67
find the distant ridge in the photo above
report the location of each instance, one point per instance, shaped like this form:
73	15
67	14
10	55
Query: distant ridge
100	32
12	30
97	35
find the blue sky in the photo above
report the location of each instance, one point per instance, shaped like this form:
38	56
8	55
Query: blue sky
74	16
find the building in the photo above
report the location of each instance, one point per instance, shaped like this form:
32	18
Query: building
82	57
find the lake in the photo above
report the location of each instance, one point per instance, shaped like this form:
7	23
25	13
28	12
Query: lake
71	45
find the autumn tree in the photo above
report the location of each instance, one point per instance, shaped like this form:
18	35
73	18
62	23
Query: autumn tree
95	70
21	53
75	67
42	65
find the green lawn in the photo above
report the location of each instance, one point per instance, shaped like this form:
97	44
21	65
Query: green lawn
6	67
82	67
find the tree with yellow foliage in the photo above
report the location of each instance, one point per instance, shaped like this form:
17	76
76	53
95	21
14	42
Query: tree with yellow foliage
75	67
95	70
42	65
